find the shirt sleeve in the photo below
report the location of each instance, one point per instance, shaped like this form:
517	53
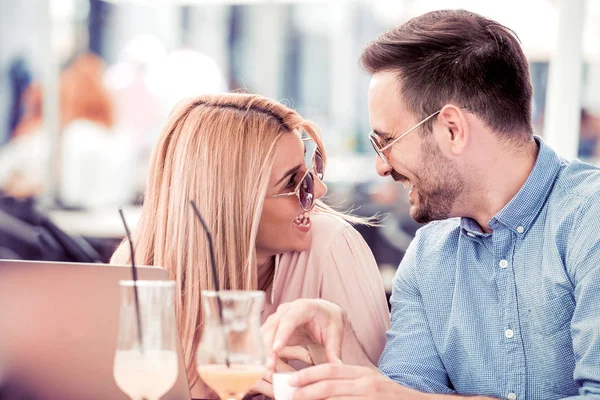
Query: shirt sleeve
351	279
410	357
583	264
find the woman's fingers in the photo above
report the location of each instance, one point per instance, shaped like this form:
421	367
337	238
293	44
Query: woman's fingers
263	387
296	353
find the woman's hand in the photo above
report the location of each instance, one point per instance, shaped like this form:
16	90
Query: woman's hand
305	321
287	354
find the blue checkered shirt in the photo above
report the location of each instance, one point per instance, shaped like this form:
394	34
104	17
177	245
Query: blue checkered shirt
514	314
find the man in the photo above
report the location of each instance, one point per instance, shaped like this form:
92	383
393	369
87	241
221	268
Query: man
499	296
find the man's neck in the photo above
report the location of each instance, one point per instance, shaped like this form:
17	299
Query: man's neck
501	176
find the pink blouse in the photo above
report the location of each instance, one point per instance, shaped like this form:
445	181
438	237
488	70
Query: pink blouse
338	267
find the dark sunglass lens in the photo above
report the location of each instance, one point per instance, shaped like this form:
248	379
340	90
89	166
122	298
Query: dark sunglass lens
307	192
319	167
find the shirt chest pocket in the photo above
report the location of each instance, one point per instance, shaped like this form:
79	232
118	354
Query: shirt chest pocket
553	345
554	315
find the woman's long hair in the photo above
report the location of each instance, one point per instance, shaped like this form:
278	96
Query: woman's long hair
217	150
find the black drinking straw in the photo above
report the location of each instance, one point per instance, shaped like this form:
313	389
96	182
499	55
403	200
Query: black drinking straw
214	270
134	275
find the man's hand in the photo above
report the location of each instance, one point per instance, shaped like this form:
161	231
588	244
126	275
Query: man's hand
340	381
305	321
349	382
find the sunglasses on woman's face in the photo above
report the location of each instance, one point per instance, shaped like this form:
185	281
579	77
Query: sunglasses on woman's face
313	157
305	190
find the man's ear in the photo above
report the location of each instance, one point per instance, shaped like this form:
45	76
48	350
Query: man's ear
454	134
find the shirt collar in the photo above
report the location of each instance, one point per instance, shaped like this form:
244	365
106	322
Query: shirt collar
471	226
520	212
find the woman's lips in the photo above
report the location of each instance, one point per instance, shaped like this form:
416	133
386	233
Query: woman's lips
302	221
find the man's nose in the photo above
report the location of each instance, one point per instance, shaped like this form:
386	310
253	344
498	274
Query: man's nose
382	167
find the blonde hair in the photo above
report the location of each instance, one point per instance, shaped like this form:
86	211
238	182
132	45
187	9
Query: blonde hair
217	150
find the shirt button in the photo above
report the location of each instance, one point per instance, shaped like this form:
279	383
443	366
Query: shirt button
511	396
503	264
520	229
509	333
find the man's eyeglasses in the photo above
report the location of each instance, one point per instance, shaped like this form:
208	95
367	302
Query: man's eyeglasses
305	190
383	146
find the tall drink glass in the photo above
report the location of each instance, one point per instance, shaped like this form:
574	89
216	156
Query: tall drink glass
236	339
147	370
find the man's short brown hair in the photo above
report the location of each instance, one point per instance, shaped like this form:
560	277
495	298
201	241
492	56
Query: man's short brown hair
459	57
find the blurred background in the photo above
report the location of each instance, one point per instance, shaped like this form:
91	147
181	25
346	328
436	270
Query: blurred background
86	86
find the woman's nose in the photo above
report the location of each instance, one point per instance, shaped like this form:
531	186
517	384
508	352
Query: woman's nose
320	188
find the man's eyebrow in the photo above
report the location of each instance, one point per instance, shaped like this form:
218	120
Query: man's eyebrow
291	171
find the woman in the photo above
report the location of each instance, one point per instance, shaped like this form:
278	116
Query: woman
91	153
241	157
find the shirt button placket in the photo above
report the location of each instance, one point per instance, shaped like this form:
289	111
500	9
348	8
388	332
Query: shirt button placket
504	242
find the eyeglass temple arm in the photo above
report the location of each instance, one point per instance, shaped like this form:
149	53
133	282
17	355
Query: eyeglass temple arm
409	131
283	194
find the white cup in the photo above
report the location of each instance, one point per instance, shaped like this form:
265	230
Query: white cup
281	387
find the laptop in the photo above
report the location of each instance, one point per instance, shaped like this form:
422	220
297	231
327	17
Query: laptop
58	330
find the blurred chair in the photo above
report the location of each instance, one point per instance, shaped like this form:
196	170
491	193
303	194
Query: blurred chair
27	233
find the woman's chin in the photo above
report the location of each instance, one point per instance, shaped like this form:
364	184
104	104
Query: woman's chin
302	243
